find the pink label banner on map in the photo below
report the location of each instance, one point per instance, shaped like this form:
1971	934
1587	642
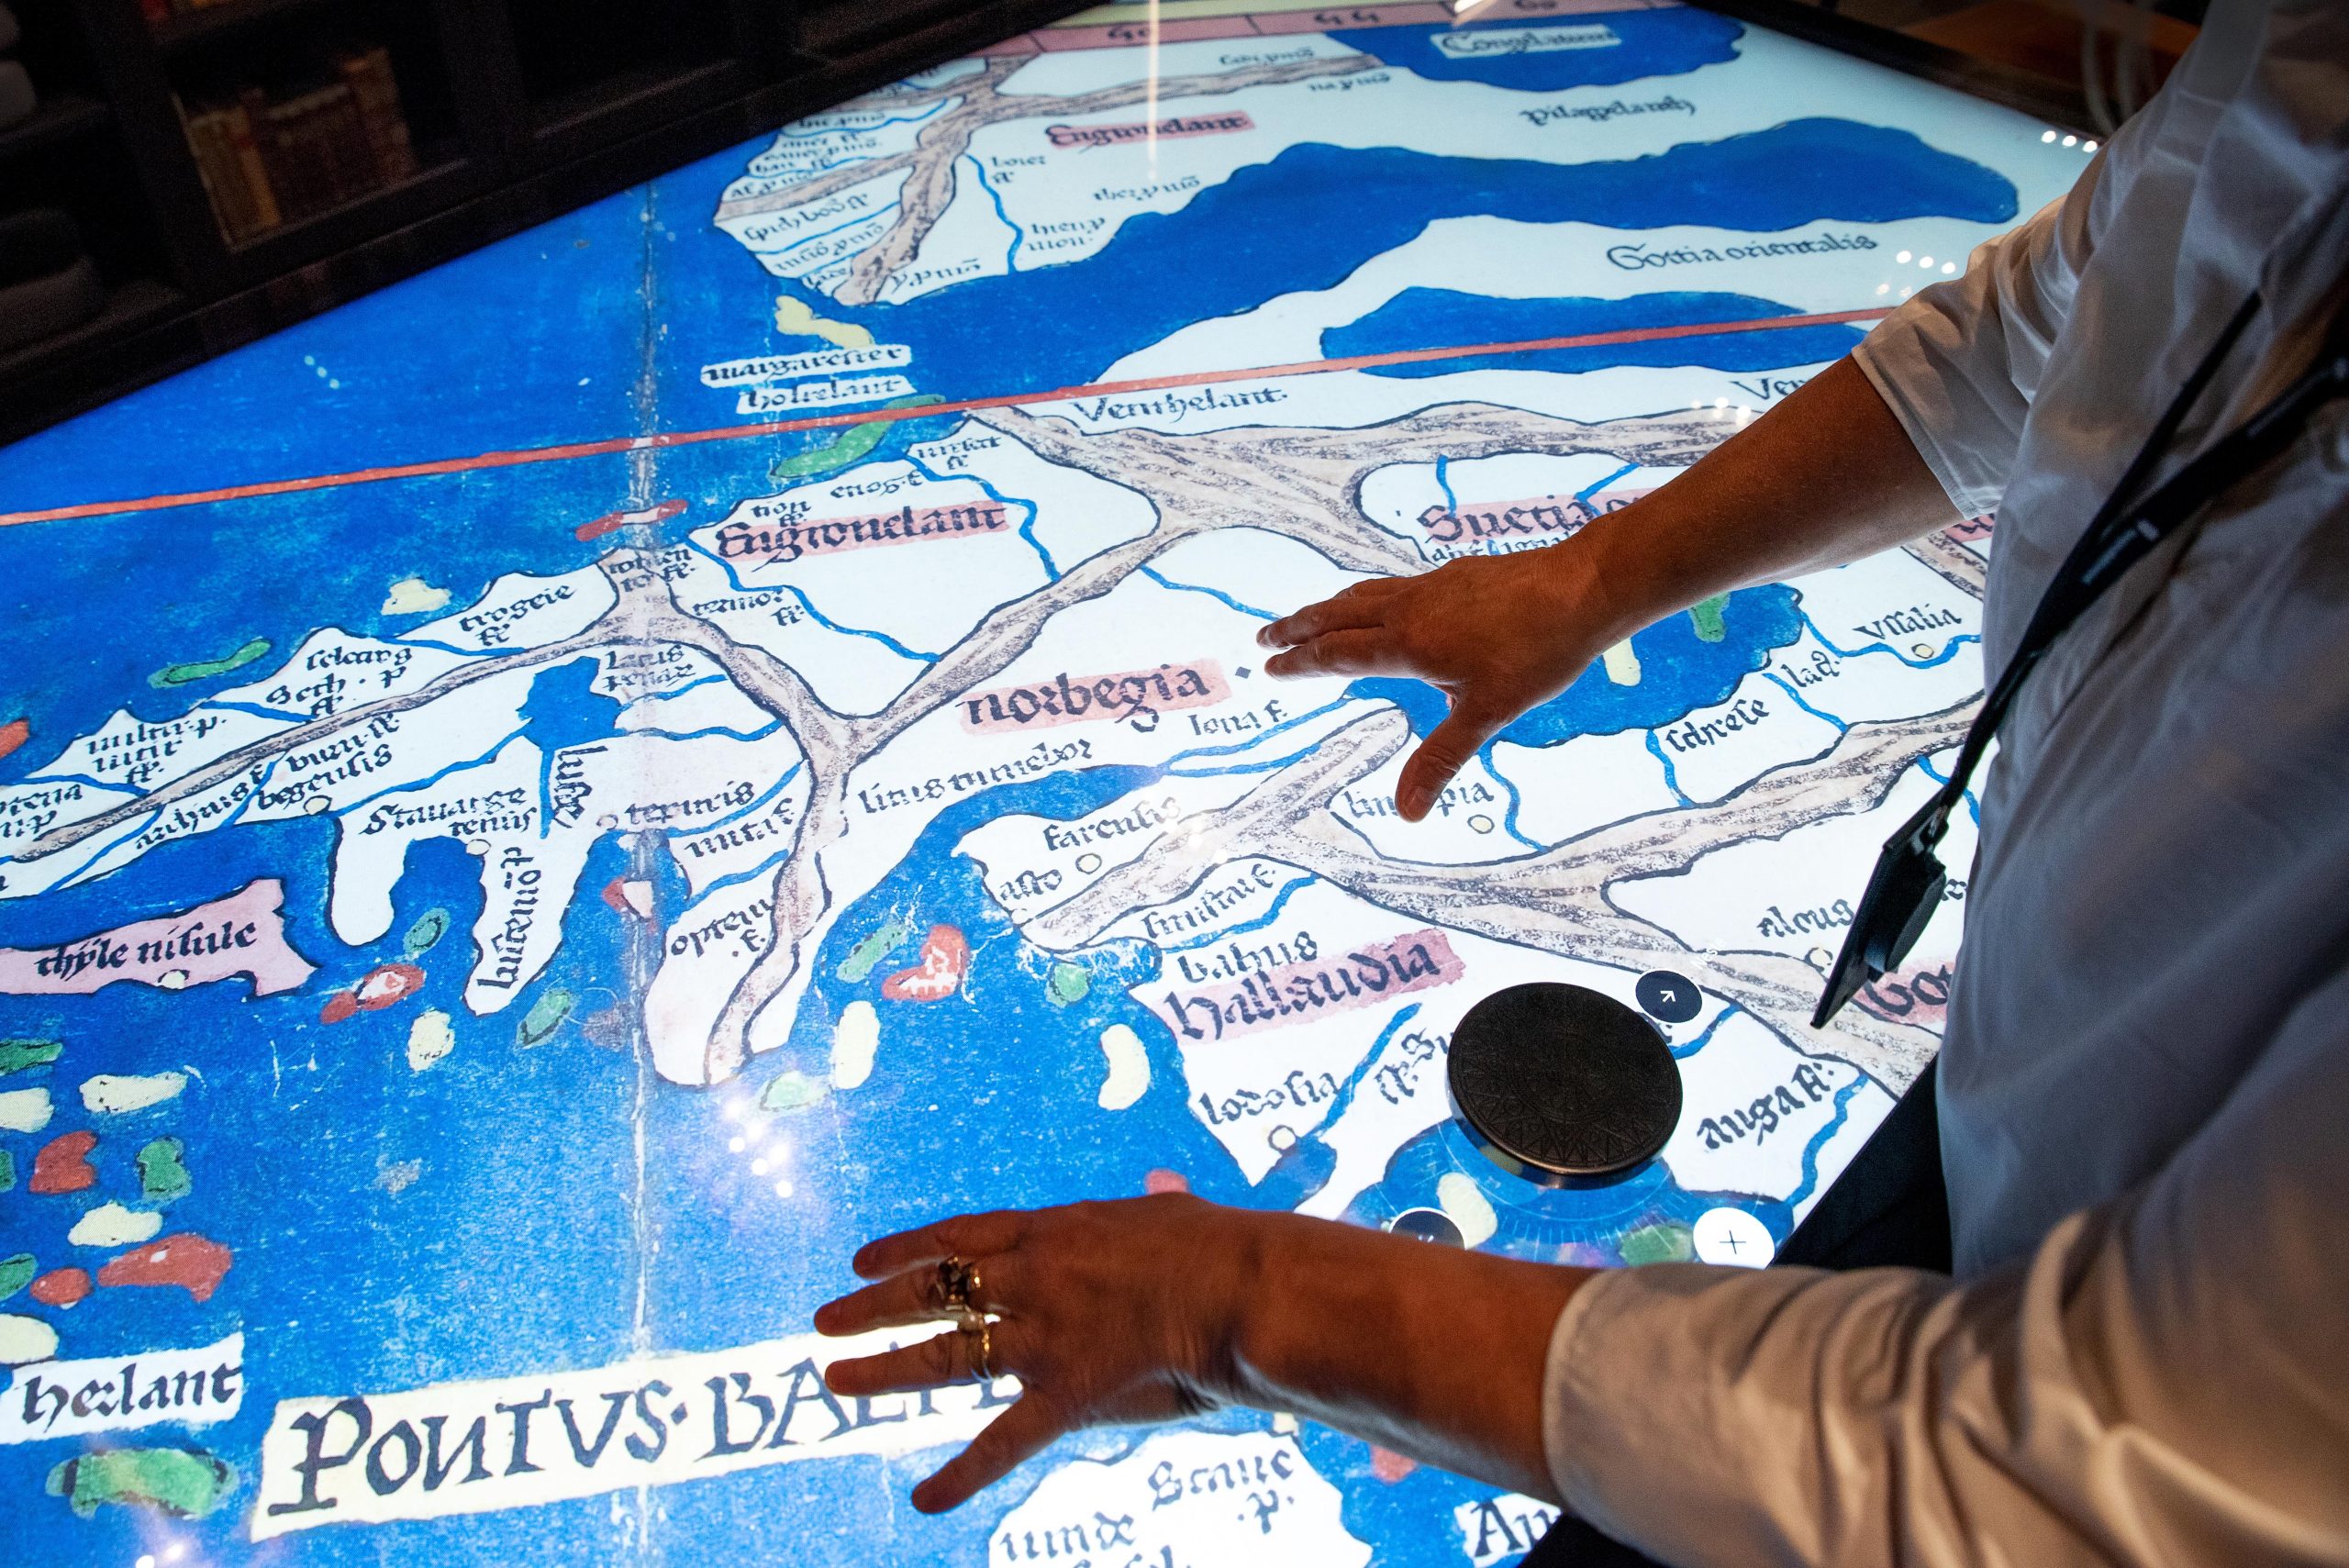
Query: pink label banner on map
1312	988
1554	516
784	543
1165	129
1137	695
241	934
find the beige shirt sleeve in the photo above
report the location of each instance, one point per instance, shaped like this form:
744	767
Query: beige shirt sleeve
1960	364
2163	1381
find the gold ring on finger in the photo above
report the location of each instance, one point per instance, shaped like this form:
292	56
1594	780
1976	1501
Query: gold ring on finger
955	1278
978	1348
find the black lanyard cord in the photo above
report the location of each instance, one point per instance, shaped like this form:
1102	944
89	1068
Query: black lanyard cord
2100	554
1909	882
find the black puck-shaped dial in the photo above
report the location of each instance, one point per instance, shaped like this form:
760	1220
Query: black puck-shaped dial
1562	1085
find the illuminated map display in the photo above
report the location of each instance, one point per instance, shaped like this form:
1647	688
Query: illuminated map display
539	809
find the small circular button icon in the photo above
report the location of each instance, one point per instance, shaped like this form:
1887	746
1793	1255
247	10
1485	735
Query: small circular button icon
1733	1238
1669	996
1428	1225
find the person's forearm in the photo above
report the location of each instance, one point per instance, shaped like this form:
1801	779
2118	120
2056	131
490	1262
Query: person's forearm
1825	477
1430	1351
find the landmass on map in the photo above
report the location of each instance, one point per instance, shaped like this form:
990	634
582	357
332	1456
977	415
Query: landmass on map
241	935
713	627
1233	1497
178	1482
195	670
784	196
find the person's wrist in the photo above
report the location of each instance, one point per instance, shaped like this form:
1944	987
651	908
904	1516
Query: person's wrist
1270	1327
1586	581
1628	579
1237	1313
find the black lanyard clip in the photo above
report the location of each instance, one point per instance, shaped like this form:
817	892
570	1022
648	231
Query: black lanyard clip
1903	892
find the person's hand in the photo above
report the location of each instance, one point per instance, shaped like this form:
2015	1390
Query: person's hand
1497	635
1156	1309
1111	1313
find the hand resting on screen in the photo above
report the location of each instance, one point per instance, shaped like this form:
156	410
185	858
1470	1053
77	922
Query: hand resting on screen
1826	477
1151	1309
1496	634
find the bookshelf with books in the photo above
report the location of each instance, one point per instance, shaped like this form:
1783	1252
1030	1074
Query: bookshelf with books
305	110
267	160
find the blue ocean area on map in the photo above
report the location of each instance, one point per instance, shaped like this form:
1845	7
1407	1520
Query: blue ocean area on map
1418	317
1648	43
1680	673
1304	221
489	1196
1311	216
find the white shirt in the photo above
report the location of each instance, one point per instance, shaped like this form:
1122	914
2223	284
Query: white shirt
2144	1356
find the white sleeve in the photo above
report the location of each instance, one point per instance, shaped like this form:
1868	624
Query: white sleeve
1959	364
2163	1381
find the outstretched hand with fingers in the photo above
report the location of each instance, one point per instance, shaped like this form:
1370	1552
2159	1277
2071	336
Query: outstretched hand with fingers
1497	635
1107	1313
1151	1309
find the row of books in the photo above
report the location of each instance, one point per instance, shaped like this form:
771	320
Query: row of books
270	160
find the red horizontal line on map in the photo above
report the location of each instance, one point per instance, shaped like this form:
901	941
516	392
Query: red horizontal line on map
921	411
1277	24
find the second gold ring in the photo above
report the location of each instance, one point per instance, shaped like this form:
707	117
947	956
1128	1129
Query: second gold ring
978	1347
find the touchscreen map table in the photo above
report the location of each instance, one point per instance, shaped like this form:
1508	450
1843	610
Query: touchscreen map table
547	804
